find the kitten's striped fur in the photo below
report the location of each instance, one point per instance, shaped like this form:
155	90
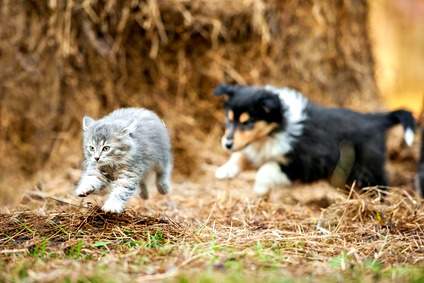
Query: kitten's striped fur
121	150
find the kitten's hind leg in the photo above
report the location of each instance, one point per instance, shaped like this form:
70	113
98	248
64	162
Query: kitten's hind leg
163	175
144	193
146	183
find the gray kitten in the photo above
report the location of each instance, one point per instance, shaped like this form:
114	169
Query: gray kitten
121	150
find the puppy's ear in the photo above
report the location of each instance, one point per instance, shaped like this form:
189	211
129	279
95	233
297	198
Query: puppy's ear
225	89
270	103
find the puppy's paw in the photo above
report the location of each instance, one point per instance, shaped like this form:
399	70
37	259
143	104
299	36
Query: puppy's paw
113	206
261	190
227	171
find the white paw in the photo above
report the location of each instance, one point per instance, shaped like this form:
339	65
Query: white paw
261	190
227	171
84	190
87	185
113	206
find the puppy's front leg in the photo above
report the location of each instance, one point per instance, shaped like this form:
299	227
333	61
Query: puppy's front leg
232	167
268	176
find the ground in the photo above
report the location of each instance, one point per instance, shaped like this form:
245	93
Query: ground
214	231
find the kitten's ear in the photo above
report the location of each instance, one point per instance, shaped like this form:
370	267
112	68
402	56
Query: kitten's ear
86	123
129	127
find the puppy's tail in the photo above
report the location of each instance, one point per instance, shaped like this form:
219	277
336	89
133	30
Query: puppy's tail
408	122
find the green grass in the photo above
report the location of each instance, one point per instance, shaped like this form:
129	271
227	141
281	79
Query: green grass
264	262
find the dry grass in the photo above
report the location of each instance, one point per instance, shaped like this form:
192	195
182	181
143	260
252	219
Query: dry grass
310	232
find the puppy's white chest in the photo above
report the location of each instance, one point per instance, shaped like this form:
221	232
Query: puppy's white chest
273	148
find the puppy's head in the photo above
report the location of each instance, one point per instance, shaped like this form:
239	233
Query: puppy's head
252	113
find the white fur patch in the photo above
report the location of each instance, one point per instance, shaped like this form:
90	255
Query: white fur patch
295	104
87	185
230	169
269	175
272	148
114	205
409	136
275	147
114	202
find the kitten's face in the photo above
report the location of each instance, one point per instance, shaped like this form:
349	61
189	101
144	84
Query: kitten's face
106	150
106	144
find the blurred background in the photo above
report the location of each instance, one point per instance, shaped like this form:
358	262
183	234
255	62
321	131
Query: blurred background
397	32
61	60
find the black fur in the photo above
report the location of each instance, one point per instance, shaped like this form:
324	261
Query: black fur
420	171
315	153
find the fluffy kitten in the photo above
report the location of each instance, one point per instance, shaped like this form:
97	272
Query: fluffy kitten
120	151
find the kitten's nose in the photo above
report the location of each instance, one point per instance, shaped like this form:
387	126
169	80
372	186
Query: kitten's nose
96	158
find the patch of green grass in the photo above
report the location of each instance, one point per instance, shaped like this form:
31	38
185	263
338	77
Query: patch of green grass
392	274
25	226
38	250
133	243
75	251
373	271
99	244
155	240
60	228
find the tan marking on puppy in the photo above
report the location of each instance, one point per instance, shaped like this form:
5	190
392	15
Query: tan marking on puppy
230	115
240	159
244	117
260	130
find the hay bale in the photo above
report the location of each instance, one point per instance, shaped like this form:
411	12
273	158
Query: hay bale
64	59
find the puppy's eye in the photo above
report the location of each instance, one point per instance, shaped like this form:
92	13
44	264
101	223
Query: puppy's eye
106	148
91	148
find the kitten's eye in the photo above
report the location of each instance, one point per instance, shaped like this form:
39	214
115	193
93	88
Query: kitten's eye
106	148
91	148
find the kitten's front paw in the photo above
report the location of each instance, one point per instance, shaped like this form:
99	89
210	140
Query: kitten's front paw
84	190
227	171
113	207
88	185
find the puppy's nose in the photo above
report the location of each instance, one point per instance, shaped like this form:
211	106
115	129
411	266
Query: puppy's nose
228	144
96	158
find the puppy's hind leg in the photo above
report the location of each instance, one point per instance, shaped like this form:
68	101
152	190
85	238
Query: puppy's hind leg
268	176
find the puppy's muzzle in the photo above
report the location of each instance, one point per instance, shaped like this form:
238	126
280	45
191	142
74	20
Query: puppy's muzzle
227	140
228	144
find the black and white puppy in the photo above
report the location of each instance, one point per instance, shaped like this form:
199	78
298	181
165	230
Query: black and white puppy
292	139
